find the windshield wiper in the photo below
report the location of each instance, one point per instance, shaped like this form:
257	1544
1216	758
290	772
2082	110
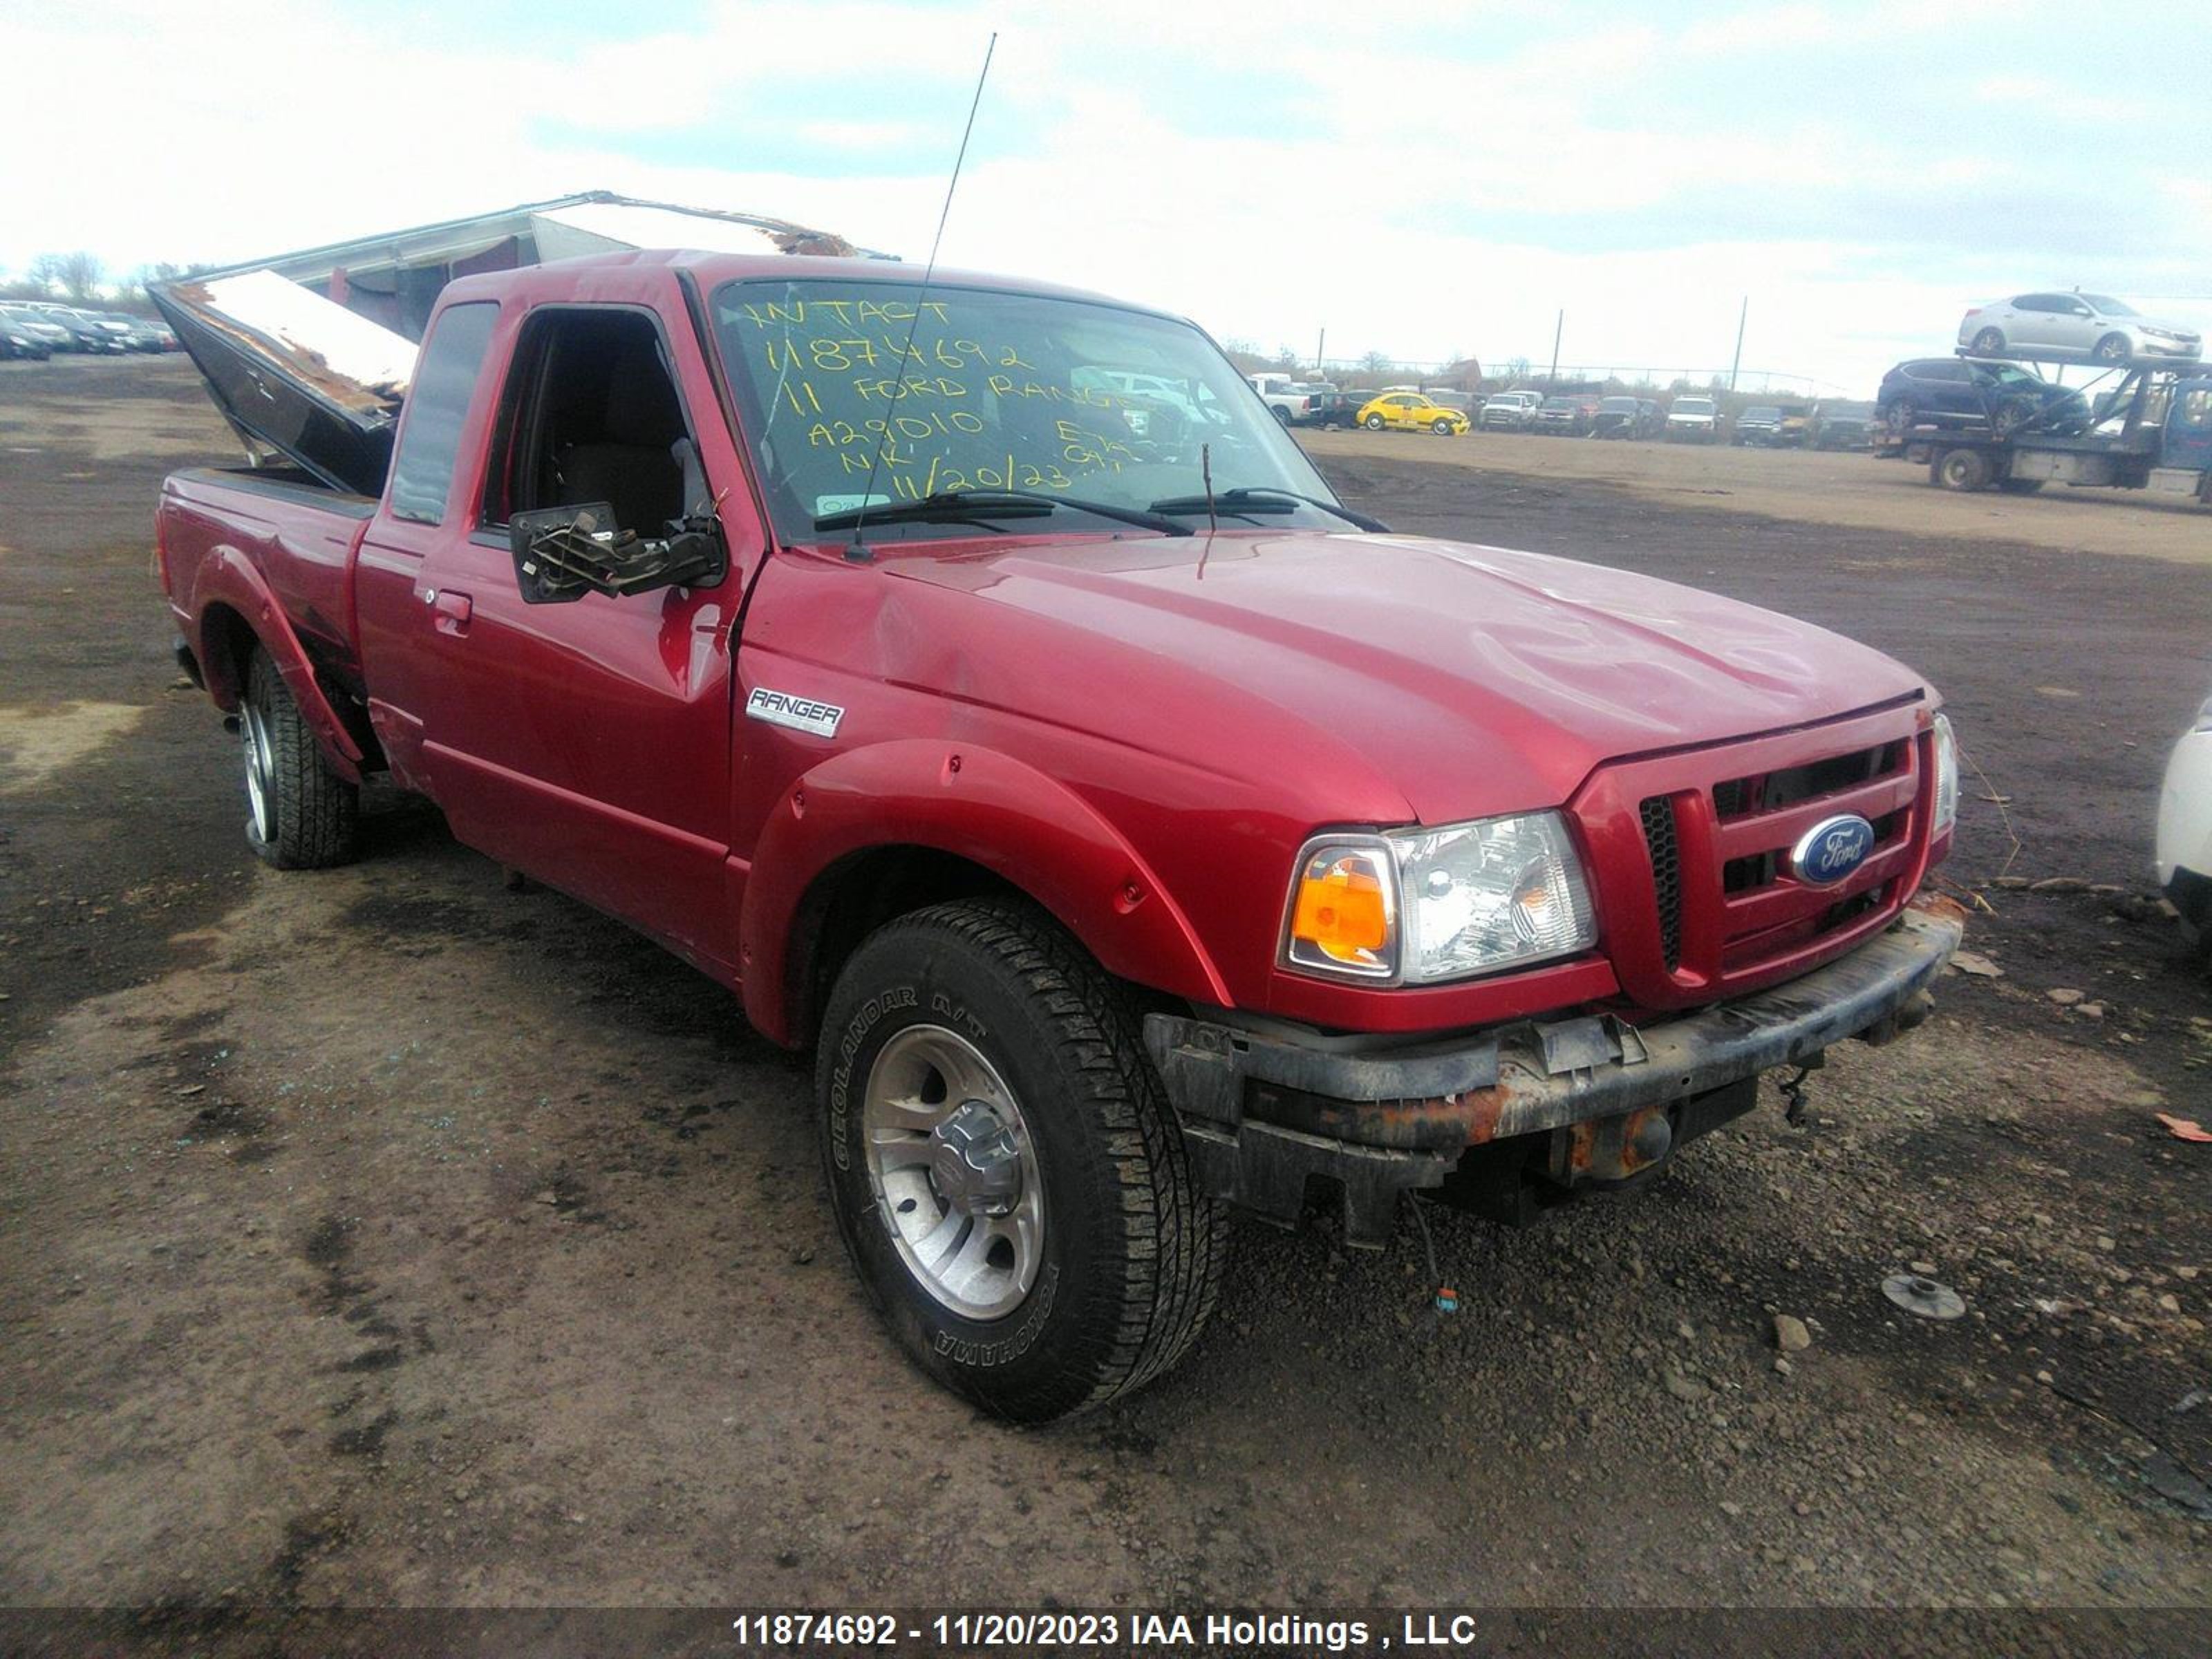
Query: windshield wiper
1265	498
963	506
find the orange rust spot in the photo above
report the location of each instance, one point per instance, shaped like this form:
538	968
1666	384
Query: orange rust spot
1941	905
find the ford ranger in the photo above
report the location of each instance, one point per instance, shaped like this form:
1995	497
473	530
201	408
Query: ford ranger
1131	830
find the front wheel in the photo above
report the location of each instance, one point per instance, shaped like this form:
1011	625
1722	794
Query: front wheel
1373	422
2115	349
301	813
1006	1172
1442	429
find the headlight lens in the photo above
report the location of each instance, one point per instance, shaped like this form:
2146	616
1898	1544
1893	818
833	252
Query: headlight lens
1946	777
1422	905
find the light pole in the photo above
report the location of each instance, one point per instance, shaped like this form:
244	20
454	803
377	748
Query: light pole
1741	317
1320	358
1557	329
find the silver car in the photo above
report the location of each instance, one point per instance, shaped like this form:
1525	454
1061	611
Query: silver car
2078	327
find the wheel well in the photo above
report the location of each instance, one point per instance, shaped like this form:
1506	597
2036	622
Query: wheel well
856	896
229	642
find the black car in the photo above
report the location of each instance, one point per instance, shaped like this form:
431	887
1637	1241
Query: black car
1626	417
1842	425
1335	407
1954	393
15	343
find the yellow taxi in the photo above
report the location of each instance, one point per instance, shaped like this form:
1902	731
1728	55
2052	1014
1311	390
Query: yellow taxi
1411	412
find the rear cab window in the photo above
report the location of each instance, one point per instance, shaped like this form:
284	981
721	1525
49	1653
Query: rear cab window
437	408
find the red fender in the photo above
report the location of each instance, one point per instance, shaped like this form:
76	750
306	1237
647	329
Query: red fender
227	577
977	804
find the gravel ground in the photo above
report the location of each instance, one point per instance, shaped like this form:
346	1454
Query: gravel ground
381	1236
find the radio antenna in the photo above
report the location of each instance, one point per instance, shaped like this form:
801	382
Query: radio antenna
857	550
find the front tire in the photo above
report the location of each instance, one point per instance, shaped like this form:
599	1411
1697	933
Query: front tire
1442	429
300	814
2115	349
1006	1172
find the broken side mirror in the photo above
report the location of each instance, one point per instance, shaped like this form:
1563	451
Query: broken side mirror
563	553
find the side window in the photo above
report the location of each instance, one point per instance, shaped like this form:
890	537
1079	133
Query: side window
590	414
437	404
2031	302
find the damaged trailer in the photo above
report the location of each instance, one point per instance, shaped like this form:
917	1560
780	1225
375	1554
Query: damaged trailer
309	354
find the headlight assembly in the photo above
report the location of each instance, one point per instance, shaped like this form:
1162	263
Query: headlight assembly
1420	907
1947	779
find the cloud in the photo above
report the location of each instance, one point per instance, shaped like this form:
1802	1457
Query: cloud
1417	181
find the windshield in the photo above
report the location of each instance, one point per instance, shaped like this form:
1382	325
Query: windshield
2006	375
2109	306
1693	405
1619	405
1000	390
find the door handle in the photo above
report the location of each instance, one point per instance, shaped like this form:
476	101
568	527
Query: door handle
449	612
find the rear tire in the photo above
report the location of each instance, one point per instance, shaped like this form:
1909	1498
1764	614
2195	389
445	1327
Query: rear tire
300	814
1990	342
1084	1261
1282	415
1373	422
1961	470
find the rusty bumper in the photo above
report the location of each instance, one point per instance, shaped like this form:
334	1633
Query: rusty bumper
1264	1112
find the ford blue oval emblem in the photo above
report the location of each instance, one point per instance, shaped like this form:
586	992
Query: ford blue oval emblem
1832	849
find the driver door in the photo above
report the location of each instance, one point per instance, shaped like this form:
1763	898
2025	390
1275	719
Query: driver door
588	744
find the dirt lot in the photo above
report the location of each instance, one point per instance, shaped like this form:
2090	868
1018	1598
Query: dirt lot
1848	490
382	1237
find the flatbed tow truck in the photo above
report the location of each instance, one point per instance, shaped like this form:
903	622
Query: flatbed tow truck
2147	426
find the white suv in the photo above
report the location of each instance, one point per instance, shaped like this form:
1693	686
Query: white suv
1695	419
2085	327
2185	829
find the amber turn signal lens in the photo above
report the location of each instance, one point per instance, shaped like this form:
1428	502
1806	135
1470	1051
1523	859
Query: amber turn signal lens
1342	912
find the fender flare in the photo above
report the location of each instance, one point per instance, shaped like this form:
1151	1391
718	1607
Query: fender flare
228	578
981	806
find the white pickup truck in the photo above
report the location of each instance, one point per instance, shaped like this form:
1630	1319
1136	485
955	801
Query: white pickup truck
1291	401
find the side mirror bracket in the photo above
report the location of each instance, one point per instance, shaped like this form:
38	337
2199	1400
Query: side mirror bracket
563	553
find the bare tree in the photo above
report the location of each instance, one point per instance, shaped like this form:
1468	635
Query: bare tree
1377	362
77	275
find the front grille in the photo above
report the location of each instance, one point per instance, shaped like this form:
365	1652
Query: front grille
1724	911
1666	851
1770	792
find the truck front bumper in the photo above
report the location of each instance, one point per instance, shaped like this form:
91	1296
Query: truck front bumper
1263	1113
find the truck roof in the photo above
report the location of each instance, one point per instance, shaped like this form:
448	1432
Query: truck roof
711	270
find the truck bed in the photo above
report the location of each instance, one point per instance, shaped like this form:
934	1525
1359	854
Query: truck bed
296	535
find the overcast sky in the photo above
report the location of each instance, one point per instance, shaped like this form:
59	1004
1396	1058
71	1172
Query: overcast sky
1417	180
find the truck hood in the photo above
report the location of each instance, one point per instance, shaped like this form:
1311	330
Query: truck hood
1470	680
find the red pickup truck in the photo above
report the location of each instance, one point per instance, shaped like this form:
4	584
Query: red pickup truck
1131	829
